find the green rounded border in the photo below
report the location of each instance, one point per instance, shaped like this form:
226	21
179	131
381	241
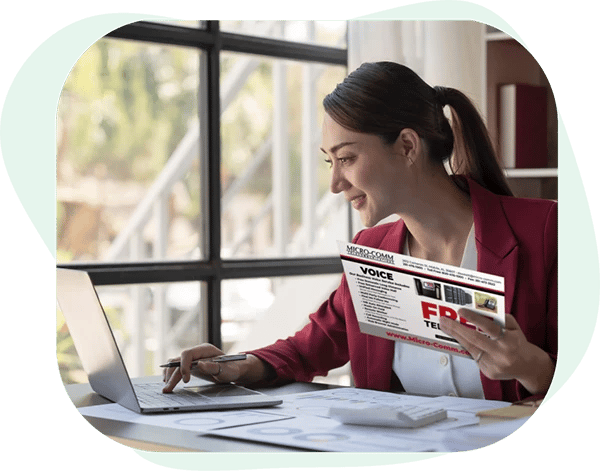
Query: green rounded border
27	139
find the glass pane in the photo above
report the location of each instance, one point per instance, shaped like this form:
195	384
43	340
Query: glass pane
257	312
150	322
324	33
128	185
276	200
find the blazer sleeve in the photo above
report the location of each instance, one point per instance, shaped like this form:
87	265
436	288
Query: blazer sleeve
550	256
314	350
319	347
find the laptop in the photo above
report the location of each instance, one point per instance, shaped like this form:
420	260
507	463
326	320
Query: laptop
100	357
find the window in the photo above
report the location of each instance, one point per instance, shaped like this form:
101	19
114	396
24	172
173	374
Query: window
190	185
126	110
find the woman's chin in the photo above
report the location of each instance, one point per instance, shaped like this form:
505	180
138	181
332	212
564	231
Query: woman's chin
366	220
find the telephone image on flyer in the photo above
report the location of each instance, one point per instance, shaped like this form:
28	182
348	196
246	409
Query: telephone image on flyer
402	298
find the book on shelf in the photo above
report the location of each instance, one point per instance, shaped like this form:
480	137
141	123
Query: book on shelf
523	126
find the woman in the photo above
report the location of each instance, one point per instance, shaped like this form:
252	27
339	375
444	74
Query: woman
389	145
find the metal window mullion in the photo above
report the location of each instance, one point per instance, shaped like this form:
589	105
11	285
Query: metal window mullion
282	49
213	194
162	315
166	272
173	271
281	267
280	160
163	33
309	163
134	315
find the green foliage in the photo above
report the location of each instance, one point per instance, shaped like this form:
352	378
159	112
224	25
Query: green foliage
126	106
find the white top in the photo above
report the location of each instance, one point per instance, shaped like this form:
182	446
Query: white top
435	373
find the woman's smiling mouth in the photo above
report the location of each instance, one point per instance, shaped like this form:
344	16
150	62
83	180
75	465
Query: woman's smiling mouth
358	201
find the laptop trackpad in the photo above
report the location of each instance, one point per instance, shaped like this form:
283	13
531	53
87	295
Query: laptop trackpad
221	390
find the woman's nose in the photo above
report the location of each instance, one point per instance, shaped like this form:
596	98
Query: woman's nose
338	182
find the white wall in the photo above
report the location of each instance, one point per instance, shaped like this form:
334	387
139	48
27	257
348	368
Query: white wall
448	53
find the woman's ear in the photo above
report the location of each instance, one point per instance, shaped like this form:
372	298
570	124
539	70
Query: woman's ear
408	144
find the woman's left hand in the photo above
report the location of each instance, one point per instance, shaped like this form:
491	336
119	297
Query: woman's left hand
502	352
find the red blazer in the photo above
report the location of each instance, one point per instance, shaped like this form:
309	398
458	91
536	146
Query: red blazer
516	239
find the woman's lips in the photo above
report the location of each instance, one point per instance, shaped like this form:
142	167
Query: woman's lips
358	201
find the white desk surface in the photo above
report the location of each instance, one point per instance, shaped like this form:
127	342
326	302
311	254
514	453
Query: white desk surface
157	438
151	438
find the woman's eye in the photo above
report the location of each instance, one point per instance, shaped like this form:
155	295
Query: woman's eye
340	160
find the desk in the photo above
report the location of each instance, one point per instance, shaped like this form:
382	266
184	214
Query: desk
150	438
156	437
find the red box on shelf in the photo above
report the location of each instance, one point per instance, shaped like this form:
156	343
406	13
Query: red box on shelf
523	126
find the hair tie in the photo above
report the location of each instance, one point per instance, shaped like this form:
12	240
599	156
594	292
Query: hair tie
439	95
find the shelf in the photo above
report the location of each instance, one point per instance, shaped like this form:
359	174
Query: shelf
507	61
497	36
531	172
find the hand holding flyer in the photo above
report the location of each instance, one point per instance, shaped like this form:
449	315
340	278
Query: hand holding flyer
402	298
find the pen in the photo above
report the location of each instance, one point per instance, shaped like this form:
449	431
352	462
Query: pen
221	359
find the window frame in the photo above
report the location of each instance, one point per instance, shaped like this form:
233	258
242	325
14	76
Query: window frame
213	269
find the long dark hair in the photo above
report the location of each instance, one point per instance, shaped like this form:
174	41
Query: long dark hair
383	98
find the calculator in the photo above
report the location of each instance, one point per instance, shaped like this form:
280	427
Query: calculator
406	416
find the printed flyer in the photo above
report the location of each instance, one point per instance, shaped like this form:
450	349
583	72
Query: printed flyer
402	298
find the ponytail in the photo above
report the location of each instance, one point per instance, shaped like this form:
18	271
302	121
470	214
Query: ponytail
473	153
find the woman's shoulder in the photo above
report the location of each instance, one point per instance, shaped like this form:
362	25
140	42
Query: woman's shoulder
534	222
533	203
512	206
530	209
518	211
374	236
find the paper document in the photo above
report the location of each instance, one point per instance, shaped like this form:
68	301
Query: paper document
310	426
402	298
317	404
194	421
465	404
323	434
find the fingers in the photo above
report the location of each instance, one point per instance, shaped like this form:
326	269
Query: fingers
483	323
470	339
217	371
172	376
168	372
172	380
476	341
169	377
187	357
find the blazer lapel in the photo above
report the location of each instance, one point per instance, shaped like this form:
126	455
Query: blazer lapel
497	254
497	247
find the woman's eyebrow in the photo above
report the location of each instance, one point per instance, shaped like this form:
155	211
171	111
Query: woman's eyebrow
337	147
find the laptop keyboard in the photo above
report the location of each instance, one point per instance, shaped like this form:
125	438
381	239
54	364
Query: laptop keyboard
151	395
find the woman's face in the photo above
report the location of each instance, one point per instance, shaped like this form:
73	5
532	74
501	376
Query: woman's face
371	174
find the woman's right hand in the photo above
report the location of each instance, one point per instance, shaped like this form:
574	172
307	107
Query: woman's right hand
246	371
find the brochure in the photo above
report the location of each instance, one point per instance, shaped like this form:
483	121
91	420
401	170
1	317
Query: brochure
402	298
